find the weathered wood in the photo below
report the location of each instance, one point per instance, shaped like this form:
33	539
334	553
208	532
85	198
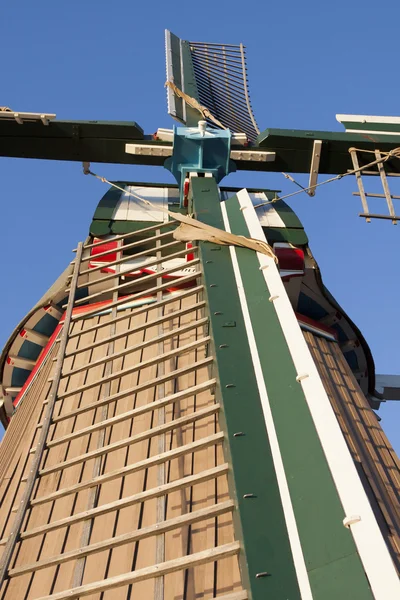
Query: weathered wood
155	322
124	236
135	412
205	442
142	281
142	309
192	560
124	502
186	519
139	366
135	348
30	484
134	390
130	297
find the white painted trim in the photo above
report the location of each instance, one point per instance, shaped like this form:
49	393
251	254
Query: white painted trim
377	130
370	544
294	538
367	119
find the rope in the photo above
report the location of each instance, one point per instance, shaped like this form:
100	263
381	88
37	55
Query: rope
395	153
194	228
194	104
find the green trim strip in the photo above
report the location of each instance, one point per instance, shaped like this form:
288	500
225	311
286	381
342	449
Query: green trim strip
259	520
333	564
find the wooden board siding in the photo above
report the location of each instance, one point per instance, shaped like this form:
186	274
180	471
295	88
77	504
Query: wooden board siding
377	463
41	541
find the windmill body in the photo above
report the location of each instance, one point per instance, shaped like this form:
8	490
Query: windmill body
189	412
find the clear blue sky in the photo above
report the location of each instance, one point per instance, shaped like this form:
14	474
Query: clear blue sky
102	60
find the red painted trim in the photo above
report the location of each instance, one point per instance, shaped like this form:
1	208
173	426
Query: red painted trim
317	325
40	360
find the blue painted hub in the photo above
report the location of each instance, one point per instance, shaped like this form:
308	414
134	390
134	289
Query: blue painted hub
200	150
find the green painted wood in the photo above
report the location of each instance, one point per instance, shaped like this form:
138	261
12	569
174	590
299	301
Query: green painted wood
297	237
331	556
294	149
259	520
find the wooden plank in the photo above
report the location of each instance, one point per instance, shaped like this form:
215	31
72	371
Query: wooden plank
133	439
147	384
163	319
30	484
142	281
130	297
143	309
385	186
137	367
136	412
124	236
132	468
186	519
125	259
129	501
150	342
211	555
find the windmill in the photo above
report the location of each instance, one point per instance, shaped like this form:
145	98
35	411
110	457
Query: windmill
189	412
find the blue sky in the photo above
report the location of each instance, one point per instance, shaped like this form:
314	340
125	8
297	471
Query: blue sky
307	61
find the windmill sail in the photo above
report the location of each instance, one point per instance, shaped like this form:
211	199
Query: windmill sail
215	75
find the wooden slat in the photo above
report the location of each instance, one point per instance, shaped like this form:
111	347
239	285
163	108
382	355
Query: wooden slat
129	349
138	282
34	468
129	501
189	518
134	390
130	297
144	435
135	412
124	236
121	334
147	363
192	560
120	261
205	442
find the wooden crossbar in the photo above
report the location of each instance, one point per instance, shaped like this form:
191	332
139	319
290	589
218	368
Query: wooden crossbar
141	309
172	333
147	363
130	297
141	242
138	388
146	463
124	236
171	566
142	281
133	536
139	437
135	412
165	318
160	490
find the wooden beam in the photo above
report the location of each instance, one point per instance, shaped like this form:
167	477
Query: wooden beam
146	363
146	463
140	242
124	236
130	297
139	437
141	281
172	333
161	490
134	390
120	261
135	412
178	564
168	317
133	536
